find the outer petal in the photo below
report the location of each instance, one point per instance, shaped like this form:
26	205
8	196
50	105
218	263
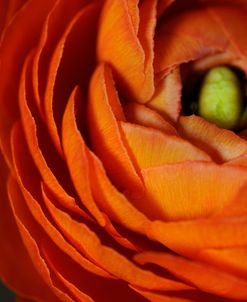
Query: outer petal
105	133
132	55
232	260
14	48
29	234
202	276
52	31
11	241
75	151
67	63
191	189
200	234
87	243
44	160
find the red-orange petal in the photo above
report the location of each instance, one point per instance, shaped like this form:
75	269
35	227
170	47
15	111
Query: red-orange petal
105	133
106	257
232	260
132	61
53	28
14	48
189	237
151	147
30	129
114	203
182	37
65	69
76	156
190	190
203	276
167	97
28	232
221	144
141	115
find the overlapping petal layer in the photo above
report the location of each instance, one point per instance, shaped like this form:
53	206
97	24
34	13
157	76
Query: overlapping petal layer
108	192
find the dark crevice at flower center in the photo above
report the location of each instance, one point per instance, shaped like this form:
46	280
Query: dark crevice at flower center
218	95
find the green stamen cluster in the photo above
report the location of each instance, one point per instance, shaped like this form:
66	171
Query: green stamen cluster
221	99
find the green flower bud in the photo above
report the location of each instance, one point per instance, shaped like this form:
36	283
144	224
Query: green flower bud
220	98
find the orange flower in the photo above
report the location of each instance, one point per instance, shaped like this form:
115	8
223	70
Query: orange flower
113	193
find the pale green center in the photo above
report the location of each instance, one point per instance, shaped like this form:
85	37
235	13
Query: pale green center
220	98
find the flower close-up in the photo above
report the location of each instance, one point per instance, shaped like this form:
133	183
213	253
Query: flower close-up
123	135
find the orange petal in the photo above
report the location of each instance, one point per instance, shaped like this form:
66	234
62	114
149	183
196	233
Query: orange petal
76	292
14	48
53	29
151	147
142	115
30	233
28	185
232	20
99	289
105	133
67	63
33	142
167	97
163	297
24	164
232	260
106	257
113	202
221	144
200	234
76	156
18	280
191	189
203	276
182	37
237	207
131	56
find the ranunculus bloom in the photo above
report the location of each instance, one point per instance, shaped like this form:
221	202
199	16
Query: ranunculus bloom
108	192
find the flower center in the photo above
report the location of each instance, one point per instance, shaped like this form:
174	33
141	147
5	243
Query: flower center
219	98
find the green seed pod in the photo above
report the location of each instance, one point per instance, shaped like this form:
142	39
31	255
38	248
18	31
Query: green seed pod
220	99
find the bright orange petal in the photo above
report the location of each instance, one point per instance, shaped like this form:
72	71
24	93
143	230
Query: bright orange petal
131	57
189	237
151	147
167	97
141	115
30	233
106	257
105	133
113	202
233	260
76	156
202	276
191	189
11	242
221	144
